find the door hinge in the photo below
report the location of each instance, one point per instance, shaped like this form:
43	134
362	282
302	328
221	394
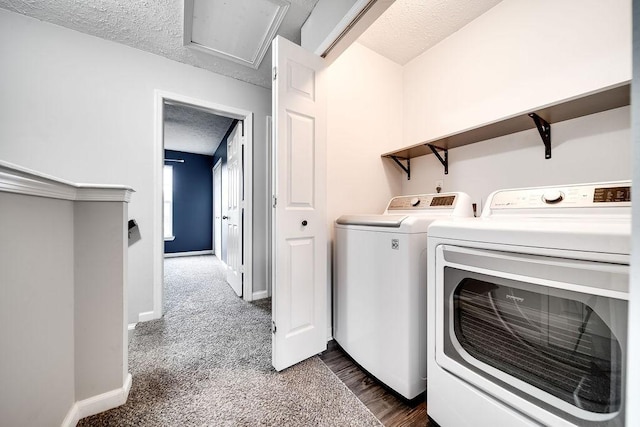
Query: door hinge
273	327
275	73
241	269
275	201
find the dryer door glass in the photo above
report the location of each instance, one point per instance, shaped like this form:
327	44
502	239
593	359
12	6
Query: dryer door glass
564	344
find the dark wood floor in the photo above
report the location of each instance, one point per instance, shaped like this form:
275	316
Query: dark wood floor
390	408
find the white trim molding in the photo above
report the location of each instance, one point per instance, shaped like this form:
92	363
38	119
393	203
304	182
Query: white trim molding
96	404
20	180
103	193
191	253
260	295
254	62
146	316
270	195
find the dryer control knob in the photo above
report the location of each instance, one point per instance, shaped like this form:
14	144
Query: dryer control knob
415	201
553	196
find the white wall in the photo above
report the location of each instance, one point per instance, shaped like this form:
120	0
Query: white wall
100	274
519	55
587	149
364	120
62	303
82	108
633	353
36	310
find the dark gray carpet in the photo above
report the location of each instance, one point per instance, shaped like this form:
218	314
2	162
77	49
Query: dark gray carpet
207	362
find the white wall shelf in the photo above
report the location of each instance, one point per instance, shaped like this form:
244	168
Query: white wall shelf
591	103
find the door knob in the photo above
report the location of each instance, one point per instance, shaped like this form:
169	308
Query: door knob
225	217
304	223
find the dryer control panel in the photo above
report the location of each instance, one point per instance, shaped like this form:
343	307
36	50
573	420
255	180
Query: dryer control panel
575	196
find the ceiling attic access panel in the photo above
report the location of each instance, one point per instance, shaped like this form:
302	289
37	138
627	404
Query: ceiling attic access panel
539	118
216	27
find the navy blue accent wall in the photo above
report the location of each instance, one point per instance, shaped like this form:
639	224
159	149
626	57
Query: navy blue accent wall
192	202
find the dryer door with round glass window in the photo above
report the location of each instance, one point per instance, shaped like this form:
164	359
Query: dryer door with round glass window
561	349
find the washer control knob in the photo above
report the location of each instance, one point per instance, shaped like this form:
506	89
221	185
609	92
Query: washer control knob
415	201
552	196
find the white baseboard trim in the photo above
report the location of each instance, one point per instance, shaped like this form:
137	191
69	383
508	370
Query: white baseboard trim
146	316
132	326
193	253
96	404
329	333
72	417
260	295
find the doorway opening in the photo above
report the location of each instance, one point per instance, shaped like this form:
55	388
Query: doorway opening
240	122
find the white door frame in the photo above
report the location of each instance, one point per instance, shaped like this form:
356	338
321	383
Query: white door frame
217	203
160	97
234	206
269	223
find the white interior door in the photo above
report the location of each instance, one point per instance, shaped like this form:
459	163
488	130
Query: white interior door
299	217
234	209
217	209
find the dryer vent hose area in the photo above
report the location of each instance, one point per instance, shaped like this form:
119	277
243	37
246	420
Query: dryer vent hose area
558	345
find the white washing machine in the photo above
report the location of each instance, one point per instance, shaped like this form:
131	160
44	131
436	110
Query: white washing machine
527	309
379	306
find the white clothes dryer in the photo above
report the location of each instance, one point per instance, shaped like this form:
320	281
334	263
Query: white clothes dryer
379	305
527	309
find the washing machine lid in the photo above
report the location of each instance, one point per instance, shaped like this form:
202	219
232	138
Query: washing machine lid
393	221
397	224
410	214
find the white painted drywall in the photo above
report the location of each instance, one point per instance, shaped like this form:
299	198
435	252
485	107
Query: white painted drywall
62	300
633	348
100	243
36	310
82	108
518	56
587	149
364	119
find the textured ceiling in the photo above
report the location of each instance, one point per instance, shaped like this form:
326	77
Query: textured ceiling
193	131
404	31
410	27
154	26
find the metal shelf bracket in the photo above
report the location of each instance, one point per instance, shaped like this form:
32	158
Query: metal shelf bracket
544	128
445	161
406	169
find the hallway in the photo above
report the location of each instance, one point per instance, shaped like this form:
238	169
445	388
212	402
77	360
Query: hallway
208	362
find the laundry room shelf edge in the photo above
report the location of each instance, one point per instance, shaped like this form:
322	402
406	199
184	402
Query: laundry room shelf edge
590	103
